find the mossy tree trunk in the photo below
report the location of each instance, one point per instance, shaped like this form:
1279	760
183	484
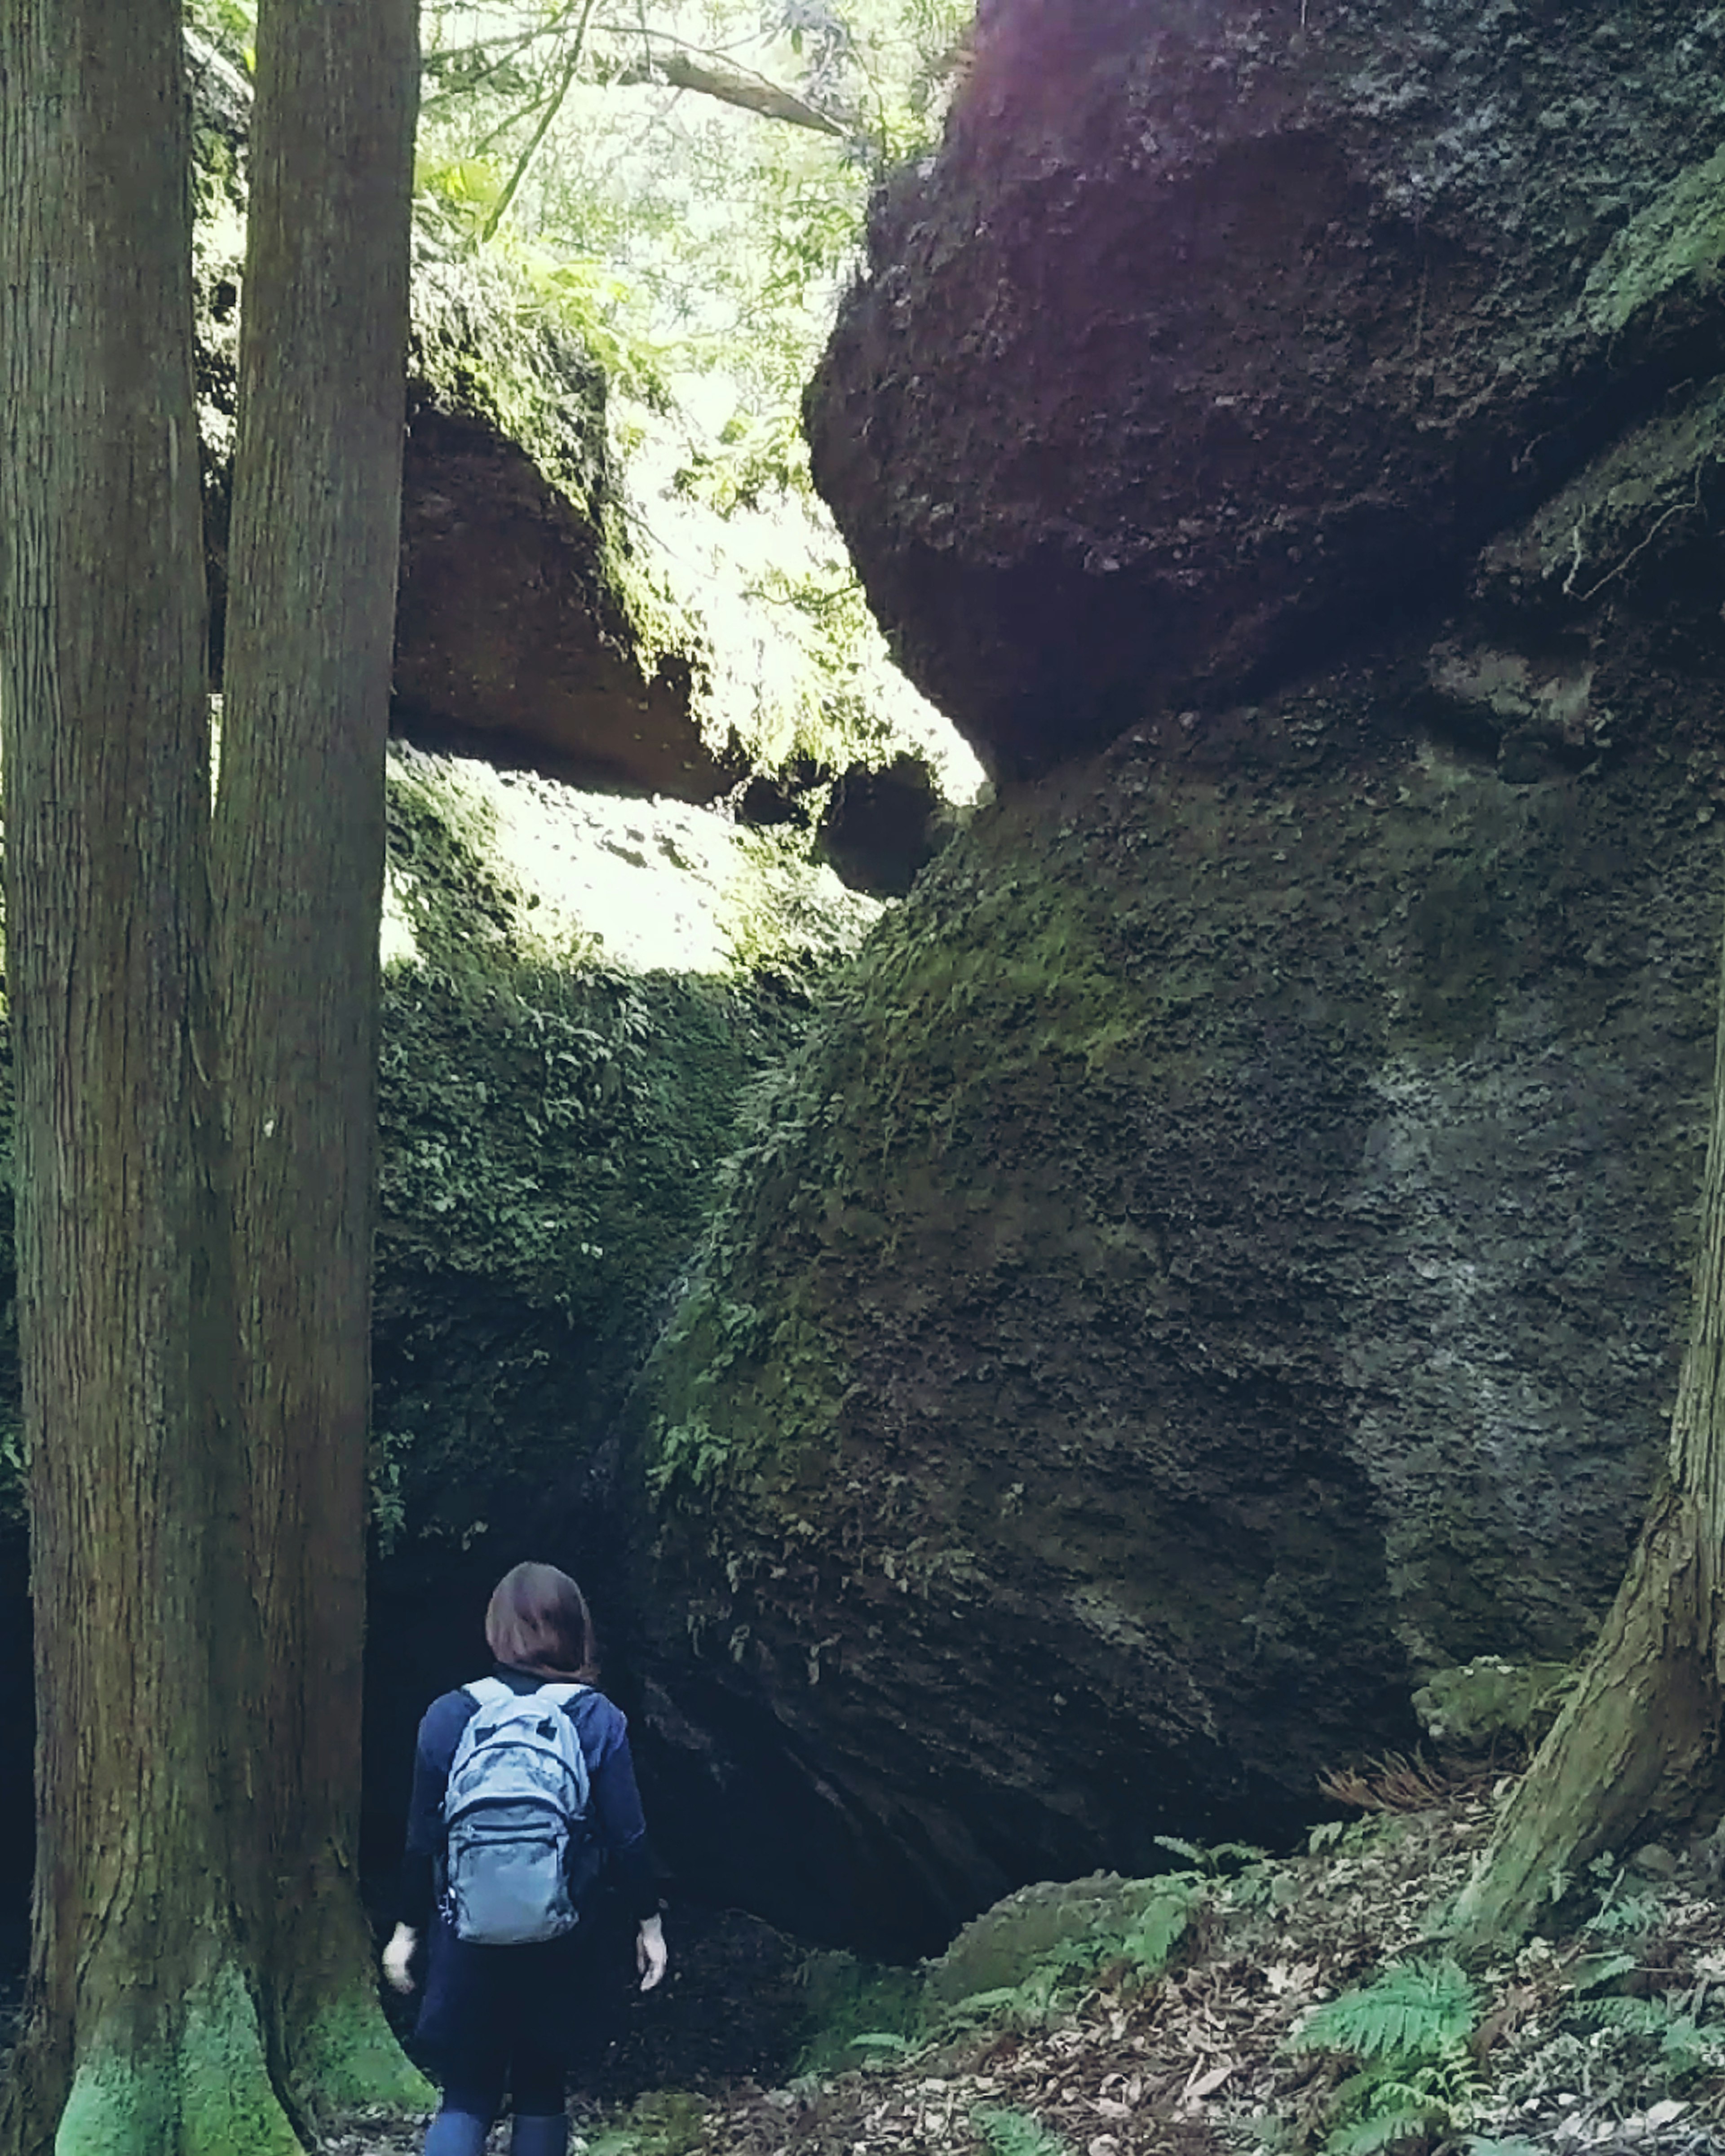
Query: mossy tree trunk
141	2032
298	879
1636	1747
194	1363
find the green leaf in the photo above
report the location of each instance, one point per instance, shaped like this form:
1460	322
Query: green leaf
1007	2131
1418	2009
1687	2045
1381	2130
1602	1968
1639	2017
1161	1924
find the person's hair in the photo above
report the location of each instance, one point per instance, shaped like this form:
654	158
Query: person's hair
538	1620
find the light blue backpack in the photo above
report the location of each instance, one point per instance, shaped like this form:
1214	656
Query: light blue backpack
516	1801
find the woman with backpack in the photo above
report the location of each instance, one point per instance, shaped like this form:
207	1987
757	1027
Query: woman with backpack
523	1791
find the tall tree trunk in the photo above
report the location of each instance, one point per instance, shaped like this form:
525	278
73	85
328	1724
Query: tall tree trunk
1637	1744
299	875
141	2031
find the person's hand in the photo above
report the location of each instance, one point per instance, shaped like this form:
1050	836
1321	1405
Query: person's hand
650	1954
399	1953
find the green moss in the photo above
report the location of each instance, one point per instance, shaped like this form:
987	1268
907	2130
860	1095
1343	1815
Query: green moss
1046	1929
1473	1707
549	1151
552	1128
759	1396
553	1125
206	2093
1056	1200
227	2101
348	2059
850	2000
857	1146
1023	1959
487	351
1678	241
664	2122
488	348
118	2105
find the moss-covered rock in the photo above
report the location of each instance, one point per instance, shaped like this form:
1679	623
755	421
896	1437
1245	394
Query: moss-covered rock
1206	329
1221	1254
1052	1921
551	1116
578	993
1489	1701
528	626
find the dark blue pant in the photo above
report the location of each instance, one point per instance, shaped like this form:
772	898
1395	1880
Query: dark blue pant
455	2132
515	2019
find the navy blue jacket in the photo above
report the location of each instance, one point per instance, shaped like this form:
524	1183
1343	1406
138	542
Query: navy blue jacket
602	1730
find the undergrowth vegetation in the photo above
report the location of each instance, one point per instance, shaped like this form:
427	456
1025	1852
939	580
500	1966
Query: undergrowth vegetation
1243	2004
1407	2033
552	1116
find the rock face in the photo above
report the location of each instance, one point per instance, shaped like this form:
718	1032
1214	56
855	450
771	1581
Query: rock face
578	991
521	635
1217	325
1223	1257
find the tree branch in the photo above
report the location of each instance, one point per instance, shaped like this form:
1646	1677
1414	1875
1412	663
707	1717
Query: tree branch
553	107
752	93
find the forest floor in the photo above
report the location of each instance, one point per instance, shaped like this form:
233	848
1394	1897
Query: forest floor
1603	2036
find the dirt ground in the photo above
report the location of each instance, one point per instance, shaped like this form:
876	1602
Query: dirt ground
1601	2037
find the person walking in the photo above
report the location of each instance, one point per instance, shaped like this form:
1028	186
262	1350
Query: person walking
479	1868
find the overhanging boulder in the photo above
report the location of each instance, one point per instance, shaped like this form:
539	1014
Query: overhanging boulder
524	632
1217	329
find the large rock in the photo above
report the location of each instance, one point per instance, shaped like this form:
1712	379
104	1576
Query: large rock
1222	1259
524	631
1217	327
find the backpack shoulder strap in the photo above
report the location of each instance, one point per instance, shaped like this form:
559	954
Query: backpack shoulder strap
563	1695
488	1691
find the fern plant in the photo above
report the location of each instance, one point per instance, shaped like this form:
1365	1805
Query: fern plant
1417	2009
1686	2046
1007	2131
1623	1912
1216	1859
1409	2031
1163	1921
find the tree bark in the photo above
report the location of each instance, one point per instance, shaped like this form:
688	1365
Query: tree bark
750	92
299	875
1637	1744
139	2031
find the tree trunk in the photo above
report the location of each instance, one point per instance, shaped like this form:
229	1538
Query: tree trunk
1636	1746
139	2032
298	874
